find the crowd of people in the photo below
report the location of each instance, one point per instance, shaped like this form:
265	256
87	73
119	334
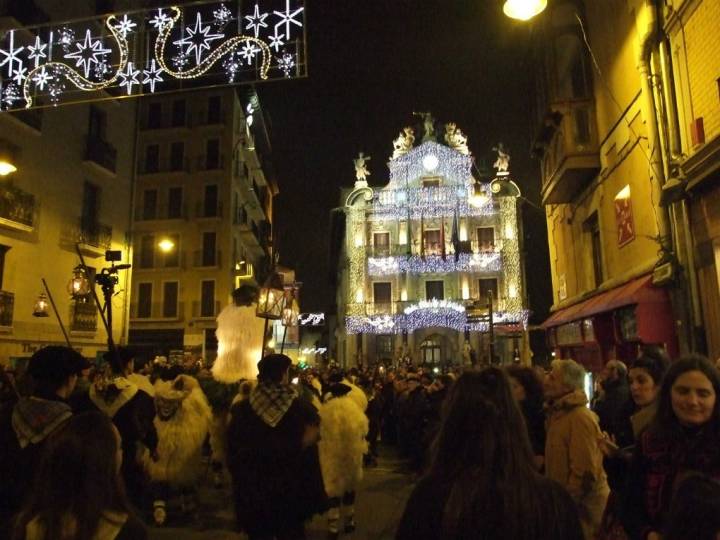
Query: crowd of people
511	452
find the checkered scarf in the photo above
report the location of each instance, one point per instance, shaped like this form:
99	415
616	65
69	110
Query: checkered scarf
271	401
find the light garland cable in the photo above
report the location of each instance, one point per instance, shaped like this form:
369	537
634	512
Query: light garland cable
227	47
73	76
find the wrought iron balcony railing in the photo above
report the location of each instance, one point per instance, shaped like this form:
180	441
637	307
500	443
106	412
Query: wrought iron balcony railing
17	207
7	304
83	316
102	153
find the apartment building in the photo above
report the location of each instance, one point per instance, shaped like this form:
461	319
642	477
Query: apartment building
202	214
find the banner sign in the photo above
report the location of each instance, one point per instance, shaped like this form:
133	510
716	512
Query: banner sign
136	53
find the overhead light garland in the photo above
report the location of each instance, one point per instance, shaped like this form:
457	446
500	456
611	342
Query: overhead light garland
46	64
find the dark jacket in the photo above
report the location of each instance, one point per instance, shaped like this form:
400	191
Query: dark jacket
657	467
423	516
535	422
277	484
614	411
21	447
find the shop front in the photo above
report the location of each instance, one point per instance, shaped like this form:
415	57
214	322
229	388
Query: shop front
613	324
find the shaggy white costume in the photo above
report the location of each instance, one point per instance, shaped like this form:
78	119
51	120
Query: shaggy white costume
240	335
356	394
343	427
182	423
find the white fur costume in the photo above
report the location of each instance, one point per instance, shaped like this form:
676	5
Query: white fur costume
343	427
181	436
240	334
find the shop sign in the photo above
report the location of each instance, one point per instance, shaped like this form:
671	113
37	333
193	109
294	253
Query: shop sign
624	217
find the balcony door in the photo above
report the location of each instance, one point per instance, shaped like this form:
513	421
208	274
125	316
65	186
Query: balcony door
382	297
432	242
381	243
434	290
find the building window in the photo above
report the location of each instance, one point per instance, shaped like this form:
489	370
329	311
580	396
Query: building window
431	239
430	182
154	115
212	154
214	109
486	238
430	351
210	202
172	257
177	156
90	209
592	228
152	158
178	113
487	286
170	299
384	346
144	310
381	244
207	298
147	251
382	293
97	124
150	204
175	197
208	250
434	289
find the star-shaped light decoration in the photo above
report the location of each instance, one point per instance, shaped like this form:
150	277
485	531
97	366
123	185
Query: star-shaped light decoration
129	77
88	52
249	51
286	63
287	18
125	26
11	55
41	78
276	41
152	75
160	19
256	21
19	75
197	39
222	15
37	51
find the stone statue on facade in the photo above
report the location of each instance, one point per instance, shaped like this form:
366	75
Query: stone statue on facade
456	139
404	143
361	170
502	163
428	125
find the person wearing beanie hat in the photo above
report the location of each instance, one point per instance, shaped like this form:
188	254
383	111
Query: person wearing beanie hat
272	456
24	428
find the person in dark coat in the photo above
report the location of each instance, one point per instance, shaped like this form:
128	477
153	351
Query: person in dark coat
413	413
273	457
132	410
25	427
527	389
482	482
615	406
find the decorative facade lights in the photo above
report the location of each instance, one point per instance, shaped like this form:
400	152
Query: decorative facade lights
434	305
432	202
435	264
41	65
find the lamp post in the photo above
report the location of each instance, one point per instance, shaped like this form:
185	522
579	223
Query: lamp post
291	311
271	301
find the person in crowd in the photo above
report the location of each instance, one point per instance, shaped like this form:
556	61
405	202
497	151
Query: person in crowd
132	410
482	482
527	389
374	414
436	394
343	428
273	456
694	510
78	491
25	427
613	408
412	412
572	455
389	427
683	437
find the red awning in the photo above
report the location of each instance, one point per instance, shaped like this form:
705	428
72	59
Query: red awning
637	291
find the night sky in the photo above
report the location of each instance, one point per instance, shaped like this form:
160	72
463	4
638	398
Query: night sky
371	64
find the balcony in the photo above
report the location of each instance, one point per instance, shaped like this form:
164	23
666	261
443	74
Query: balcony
83	317
205	310
7	303
207	209
571	159
157	311
250	237
101	153
165	167
206	259
94	238
210	163
17	208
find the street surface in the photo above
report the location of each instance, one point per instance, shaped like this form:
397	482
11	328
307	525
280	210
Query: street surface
380	503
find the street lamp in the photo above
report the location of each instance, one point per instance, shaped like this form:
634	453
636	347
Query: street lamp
41	306
523	9
166	245
271	302
79	285
8	158
479	197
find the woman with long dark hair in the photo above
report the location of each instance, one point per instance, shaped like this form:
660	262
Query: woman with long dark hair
78	492
683	438
527	389
482	482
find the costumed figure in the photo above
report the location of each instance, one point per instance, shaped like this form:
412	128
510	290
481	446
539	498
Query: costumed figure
182	423
343	431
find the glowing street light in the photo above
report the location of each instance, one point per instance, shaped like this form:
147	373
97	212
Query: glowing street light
523	9
166	245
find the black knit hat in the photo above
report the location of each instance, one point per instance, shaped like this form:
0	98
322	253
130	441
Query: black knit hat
55	363
273	366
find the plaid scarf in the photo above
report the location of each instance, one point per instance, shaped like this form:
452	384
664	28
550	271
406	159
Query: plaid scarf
271	401
34	418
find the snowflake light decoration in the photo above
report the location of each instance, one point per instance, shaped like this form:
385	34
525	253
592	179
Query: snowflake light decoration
11	55
37	51
152	75
256	21
276	42
180	61
55	90
286	63
249	51
232	65
88	52
222	15
10	94
19	75
160	19
125	26
66	36
287	18
42	78
129	77
101	69
198	39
